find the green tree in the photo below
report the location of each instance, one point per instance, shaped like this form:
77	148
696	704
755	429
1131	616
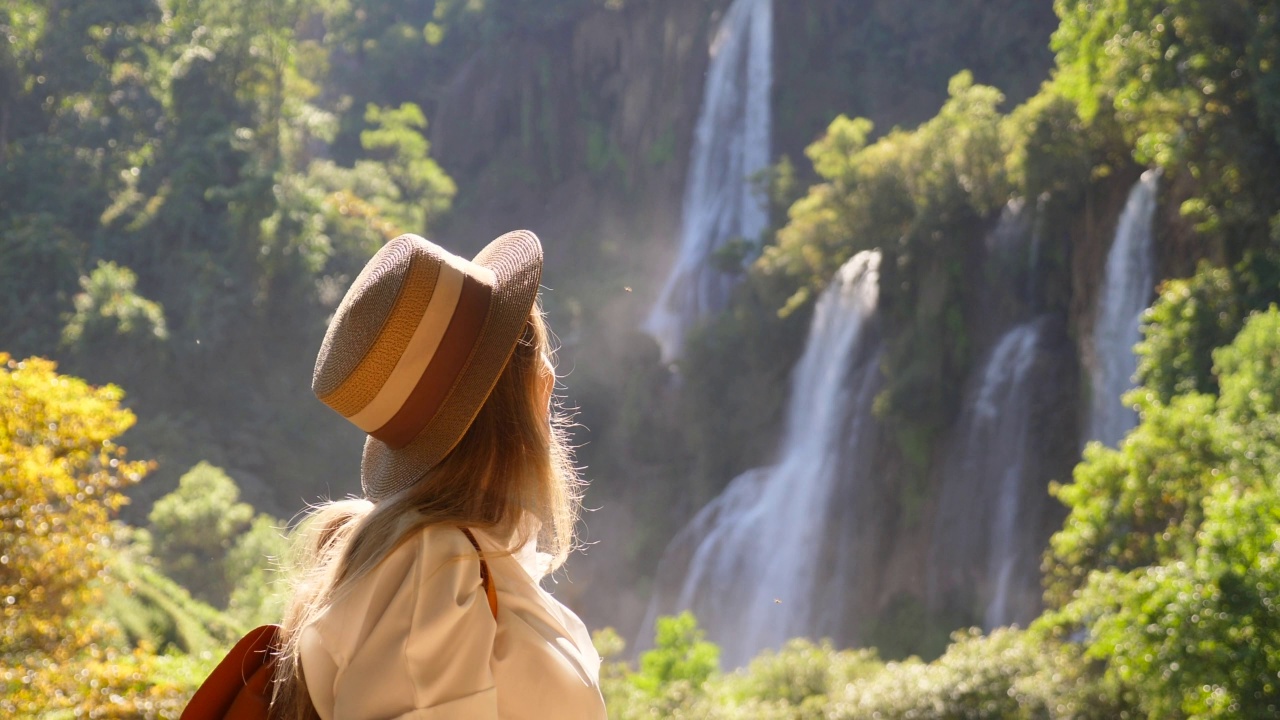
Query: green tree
397	138
1192	84
109	306
195	526
1168	559
1191	318
680	654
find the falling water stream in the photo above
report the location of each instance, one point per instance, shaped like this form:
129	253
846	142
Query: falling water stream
1126	291
750	563
731	145
994	464
985	544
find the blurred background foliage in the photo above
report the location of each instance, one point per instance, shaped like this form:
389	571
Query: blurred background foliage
187	187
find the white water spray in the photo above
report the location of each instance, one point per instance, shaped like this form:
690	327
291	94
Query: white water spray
731	145
750	564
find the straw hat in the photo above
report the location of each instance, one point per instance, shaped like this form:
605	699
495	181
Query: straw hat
417	345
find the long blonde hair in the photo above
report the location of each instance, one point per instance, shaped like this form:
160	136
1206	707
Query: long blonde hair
512	472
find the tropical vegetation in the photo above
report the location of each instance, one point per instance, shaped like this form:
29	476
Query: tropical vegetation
185	183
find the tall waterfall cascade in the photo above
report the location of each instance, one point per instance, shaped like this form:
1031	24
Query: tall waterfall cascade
986	523
731	145
751	564
1127	286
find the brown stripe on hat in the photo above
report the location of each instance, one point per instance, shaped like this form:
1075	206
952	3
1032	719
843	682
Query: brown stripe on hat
446	366
418	343
364	382
417	354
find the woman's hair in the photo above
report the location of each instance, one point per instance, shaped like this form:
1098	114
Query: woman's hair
512	472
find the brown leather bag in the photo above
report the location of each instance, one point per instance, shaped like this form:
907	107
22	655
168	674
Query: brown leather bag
240	687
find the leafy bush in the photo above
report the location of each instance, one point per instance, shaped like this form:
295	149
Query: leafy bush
1168	559
1191	318
681	655
803	675
193	527
111	684
1007	674
109	306
217	548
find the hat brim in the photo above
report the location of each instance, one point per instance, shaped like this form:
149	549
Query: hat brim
515	259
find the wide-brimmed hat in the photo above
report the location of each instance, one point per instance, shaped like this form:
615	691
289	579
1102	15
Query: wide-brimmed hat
417	345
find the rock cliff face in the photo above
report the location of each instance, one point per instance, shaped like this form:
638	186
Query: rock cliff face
889	61
579	134
585	131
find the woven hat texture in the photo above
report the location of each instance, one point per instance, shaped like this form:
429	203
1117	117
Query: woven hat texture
417	345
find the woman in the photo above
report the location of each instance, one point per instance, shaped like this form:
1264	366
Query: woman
421	600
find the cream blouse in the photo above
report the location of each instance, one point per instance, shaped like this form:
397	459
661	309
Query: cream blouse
415	639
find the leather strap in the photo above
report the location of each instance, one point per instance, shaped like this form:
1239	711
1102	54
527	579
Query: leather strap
486	578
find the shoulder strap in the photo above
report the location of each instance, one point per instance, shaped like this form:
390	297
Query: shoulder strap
486	577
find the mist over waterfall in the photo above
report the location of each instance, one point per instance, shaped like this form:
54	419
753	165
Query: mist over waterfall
731	144
1127	286
756	564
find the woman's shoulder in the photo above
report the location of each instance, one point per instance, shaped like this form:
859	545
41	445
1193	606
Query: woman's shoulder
431	547
430	553
422	551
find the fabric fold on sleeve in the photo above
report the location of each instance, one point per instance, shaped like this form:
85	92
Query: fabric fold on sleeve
421	636
319	669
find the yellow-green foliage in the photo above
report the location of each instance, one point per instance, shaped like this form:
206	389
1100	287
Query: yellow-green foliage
1007	675
895	191
61	478
1192	317
110	305
111	684
399	136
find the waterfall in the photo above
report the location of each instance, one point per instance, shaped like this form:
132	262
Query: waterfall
986	523
756	564
731	144
1126	291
